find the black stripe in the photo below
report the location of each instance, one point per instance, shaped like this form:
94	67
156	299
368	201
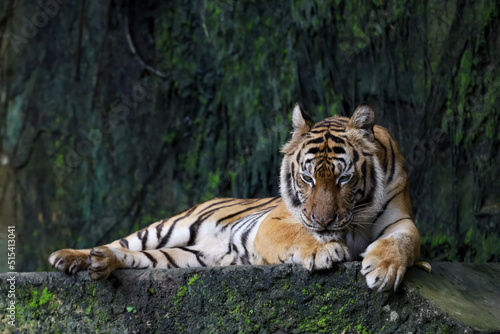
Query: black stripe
373	179
355	152
159	228
366	198
145	239
200	218
165	239
248	209
254	216
336	139
329	122
295	199
385	228
235	226
340	159
363	168
329	127
193	232
340	125
313	150
124	243
298	158
350	165
195	252
393	164
385	153
200	261
305	116
214	204
386	204
373	185
151	258
244	238
318	140
193	229
355	156
169	259
338	150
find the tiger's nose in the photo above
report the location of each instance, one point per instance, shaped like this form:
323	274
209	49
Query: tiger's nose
323	221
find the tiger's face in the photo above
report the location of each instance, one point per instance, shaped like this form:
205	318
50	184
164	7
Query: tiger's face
325	171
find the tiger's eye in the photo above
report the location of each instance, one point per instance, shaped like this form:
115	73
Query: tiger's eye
344	179
307	178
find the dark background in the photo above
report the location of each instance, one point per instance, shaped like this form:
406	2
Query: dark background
116	114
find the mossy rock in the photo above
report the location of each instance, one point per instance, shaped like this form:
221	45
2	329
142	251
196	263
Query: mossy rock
256	299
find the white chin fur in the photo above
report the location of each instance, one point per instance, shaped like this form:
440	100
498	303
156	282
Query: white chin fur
328	237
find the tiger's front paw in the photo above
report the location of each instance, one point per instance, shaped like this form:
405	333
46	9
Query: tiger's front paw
384	264
101	262
325	255
69	261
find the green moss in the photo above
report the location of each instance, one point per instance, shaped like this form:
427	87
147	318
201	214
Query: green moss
38	299
183	290
446	329
193	280
180	294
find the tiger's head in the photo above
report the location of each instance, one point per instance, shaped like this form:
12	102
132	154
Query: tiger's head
330	177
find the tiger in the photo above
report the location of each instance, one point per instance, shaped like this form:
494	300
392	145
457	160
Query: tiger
344	196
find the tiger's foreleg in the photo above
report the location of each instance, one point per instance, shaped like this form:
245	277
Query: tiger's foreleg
282	240
396	246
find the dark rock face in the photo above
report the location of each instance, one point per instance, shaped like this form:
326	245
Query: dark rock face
95	145
455	298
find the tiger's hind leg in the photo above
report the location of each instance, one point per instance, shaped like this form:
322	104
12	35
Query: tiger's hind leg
195	226
103	260
179	230
157	235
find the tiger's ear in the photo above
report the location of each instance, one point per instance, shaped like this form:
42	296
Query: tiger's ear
301	121
302	124
363	119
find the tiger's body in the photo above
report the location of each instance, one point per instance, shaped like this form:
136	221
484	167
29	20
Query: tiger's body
344	195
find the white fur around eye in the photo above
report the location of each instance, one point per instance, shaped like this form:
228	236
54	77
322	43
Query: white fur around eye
344	179
307	178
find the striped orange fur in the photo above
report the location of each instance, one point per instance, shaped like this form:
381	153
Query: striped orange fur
344	196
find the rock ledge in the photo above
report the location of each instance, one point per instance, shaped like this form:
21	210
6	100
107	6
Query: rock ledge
455	298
